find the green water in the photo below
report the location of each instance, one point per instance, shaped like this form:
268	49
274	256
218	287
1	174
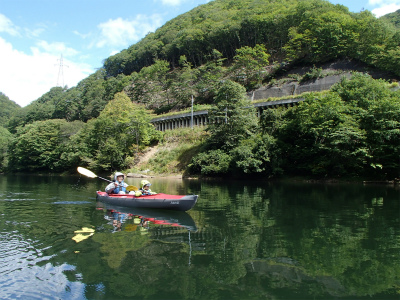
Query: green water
242	240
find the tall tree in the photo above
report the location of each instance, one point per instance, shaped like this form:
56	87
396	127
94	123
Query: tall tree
183	84
112	140
249	64
232	118
209	76
150	86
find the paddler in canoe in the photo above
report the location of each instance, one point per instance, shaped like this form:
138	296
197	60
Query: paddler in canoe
118	186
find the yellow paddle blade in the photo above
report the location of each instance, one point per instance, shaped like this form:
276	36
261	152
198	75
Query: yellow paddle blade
84	230
131	188
80	237
86	172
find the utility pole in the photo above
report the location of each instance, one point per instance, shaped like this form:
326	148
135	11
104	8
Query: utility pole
192	114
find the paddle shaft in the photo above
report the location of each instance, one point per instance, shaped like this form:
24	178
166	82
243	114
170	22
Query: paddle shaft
133	188
90	174
110	181
105	179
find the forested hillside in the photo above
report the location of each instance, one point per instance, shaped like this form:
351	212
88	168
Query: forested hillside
312	31
190	54
103	121
393	18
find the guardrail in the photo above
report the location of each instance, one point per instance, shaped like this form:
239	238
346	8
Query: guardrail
200	118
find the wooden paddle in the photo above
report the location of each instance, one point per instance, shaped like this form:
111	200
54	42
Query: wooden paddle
90	174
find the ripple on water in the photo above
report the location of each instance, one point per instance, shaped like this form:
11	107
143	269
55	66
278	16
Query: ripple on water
24	273
19	199
72	202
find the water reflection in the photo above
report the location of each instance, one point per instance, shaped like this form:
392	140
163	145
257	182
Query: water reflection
143	217
242	240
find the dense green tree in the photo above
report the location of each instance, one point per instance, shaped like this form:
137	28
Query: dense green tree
182	85
388	58
7	109
232	118
322	37
68	106
351	131
116	64
377	110
150	85
272	121
232	126
322	138
5	139
37	146
114	85
92	96
40	110
112	140
213	162
249	65
208	77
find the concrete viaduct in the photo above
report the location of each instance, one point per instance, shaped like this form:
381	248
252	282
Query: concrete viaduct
200	118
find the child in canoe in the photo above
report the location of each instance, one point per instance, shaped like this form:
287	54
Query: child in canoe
118	186
145	188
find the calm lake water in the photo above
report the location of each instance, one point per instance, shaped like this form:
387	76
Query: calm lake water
242	240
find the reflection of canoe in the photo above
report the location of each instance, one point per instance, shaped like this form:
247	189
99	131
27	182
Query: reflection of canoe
156	216
162	201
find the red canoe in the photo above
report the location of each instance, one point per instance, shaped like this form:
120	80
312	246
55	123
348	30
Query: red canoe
161	201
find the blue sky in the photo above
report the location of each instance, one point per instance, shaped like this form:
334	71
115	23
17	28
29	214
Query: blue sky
34	34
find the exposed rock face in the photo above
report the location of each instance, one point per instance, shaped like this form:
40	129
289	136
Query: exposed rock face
295	88
343	66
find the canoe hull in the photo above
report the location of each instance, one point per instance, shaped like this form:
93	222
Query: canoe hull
160	201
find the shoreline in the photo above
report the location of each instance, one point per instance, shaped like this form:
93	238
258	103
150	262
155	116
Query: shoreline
286	179
394	182
139	175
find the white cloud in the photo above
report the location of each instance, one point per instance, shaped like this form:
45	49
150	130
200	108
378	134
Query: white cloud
82	35
172	2
26	77
383	10
56	48
177	2
122	33
33	33
7	26
383	2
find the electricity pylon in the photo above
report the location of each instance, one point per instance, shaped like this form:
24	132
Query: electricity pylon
60	71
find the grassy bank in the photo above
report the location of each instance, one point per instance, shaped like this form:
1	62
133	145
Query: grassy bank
173	154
